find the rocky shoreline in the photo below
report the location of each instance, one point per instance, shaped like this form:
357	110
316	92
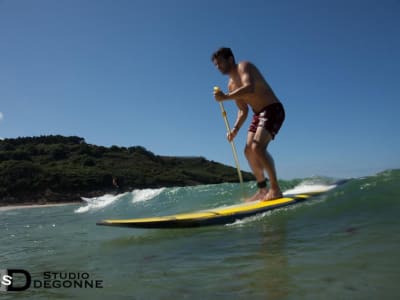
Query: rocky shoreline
58	169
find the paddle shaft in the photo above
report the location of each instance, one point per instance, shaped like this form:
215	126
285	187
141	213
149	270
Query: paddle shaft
232	144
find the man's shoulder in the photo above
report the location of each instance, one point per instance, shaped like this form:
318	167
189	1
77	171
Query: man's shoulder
245	65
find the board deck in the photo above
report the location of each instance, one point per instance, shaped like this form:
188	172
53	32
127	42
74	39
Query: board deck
217	216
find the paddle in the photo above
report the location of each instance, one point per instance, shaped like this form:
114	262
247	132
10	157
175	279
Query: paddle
216	89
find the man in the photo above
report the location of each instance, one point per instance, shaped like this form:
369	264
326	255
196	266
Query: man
249	88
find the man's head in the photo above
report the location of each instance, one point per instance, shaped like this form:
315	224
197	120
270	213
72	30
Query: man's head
224	60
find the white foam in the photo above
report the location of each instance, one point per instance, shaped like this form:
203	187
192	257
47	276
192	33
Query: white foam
244	221
145	194
304	188
97	203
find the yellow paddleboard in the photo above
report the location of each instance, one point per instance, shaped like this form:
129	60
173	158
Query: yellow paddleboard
217	216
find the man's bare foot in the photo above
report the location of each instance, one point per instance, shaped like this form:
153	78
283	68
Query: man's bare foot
273	194
260	195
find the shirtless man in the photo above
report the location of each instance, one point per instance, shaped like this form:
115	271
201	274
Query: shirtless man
248	88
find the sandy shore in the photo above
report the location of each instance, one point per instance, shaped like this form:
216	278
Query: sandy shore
11	207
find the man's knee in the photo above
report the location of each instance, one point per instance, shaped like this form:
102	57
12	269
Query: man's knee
255	145
257	148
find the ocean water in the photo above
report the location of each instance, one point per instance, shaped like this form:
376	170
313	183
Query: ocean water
344	244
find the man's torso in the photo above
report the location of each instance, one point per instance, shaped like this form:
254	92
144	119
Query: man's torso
263	94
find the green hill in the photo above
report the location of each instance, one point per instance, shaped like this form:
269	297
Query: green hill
58	169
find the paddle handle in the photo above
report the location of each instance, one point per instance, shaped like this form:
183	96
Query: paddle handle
228	128
232	144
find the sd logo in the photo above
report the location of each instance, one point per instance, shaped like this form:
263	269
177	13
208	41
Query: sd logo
14	280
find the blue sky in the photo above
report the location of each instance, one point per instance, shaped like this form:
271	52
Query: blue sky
132	73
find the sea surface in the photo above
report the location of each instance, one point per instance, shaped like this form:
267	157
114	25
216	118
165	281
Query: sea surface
344	244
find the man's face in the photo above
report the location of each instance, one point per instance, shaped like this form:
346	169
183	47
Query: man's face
222	64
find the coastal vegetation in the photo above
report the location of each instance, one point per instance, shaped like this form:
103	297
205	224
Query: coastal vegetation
61	169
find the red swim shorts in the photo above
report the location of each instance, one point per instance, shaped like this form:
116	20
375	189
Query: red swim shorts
270	117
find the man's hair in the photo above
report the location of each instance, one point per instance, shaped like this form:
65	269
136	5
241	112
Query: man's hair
223	52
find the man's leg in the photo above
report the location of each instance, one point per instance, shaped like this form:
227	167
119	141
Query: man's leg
257	168
259	147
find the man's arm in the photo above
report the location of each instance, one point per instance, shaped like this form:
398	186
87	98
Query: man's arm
241	118
242	114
